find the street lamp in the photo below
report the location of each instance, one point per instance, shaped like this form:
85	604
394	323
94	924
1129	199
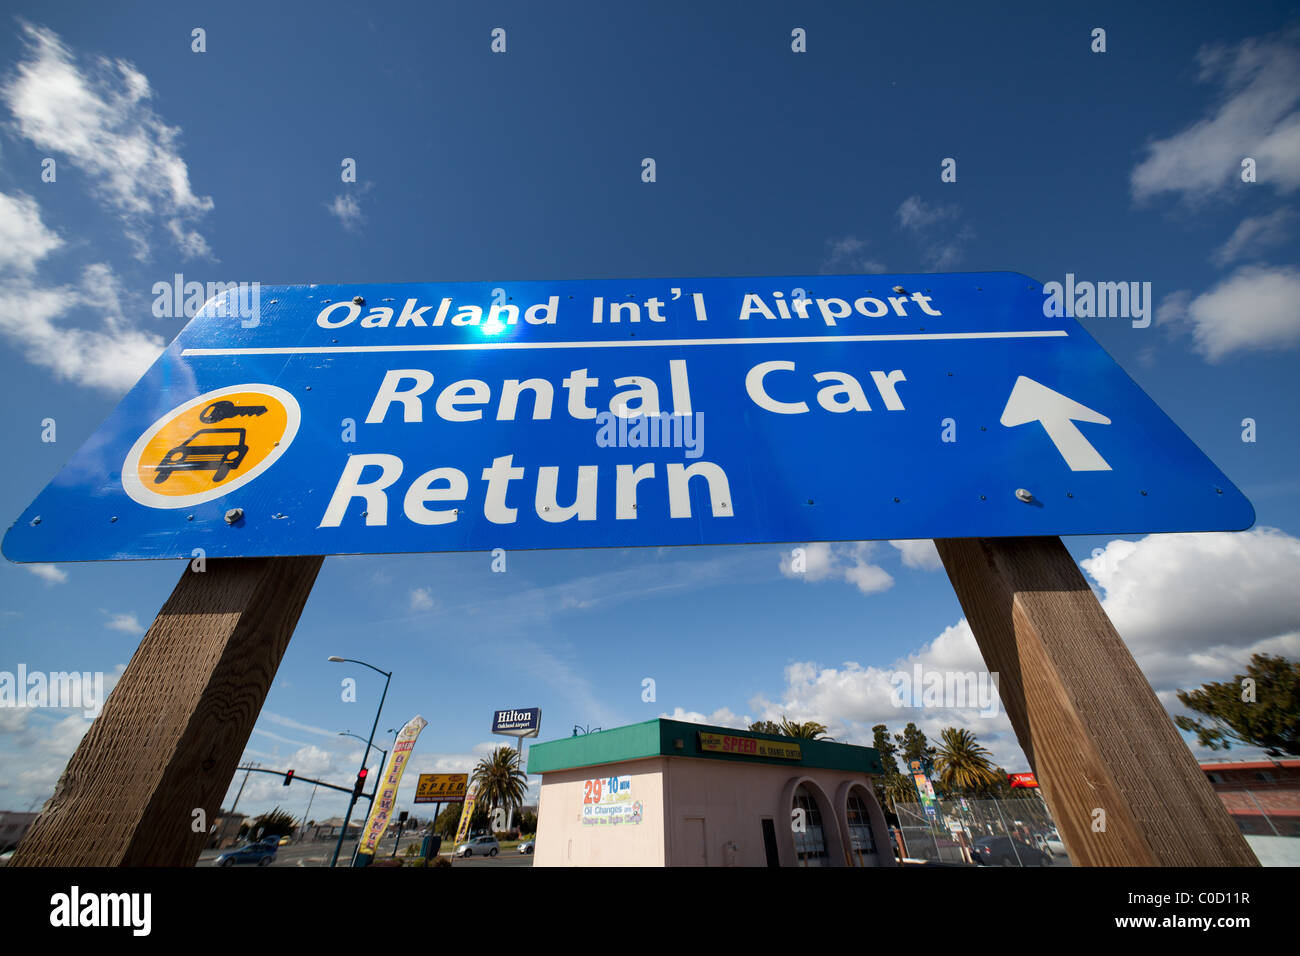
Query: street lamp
352	800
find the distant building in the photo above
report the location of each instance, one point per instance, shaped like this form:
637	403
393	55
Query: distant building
1263	796
225	830
329	829
12	827
670	793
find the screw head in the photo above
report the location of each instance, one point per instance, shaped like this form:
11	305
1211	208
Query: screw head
233	515
1024	494
358	300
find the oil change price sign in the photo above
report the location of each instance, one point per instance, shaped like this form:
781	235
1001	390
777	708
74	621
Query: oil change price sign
607	801
604	413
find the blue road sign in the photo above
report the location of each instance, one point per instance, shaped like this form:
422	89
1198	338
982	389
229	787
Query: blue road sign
600	413
518	723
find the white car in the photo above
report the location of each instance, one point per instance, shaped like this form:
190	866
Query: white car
1050	843
481	846
527	846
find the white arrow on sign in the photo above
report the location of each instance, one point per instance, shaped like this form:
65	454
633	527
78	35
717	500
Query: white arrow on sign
1033	402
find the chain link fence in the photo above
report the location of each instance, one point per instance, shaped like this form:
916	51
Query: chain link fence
1017	832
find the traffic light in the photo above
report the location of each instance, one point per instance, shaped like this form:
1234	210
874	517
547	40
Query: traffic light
288	778
361	783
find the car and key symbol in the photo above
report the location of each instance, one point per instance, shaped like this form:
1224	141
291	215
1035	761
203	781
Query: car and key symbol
220	411
218	450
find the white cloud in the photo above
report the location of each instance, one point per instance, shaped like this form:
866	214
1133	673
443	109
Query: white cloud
1253	235
1191	607
915	213
1194	607
852	698
24	239
126	623
849	255
722	717
421	599
920	554
99	119
848	562
49	573
347	208
935	226
1254	115
112	357
1254	308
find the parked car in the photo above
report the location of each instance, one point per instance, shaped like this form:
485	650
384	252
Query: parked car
1050	843
1003	851
526	846
263	854
482	845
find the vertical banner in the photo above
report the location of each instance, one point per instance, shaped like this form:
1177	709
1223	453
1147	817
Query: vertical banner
924	789
382	809
466	814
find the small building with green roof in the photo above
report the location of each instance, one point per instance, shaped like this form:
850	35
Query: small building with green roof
671	793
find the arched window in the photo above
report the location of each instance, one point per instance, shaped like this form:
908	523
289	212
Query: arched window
862	842
810	838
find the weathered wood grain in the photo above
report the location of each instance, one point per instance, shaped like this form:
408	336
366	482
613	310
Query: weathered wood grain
170	734
1094	732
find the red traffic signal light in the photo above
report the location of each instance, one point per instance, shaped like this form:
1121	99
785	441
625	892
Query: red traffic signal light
361	782
288	778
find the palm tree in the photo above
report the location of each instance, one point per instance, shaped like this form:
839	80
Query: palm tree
898	788
499	781
963	765
808	730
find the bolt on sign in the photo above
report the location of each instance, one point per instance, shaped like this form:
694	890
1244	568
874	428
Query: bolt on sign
441	787
599	413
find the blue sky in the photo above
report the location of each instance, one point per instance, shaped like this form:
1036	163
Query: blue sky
225	166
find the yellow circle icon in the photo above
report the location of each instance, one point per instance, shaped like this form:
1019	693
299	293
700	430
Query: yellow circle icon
210	445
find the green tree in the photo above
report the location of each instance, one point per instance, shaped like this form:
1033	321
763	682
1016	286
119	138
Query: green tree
499	781
898	788
886	748
808	730
449	819
963	765
275	823
912	745
1264	713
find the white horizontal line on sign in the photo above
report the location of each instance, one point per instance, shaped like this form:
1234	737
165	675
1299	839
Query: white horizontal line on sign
643	343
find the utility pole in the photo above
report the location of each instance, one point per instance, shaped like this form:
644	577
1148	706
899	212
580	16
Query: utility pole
241	788
308	813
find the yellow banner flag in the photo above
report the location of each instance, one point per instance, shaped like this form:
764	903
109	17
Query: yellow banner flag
462	831
385	799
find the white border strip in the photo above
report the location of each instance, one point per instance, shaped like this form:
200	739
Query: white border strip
644	343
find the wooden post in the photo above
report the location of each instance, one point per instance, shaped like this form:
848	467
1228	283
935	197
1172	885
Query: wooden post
1095	734
169	738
